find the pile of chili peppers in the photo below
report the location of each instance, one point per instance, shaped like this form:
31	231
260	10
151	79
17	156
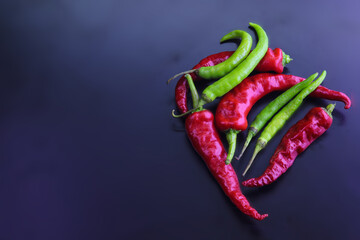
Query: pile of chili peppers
239	92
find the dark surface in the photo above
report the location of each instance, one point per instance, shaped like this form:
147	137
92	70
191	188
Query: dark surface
89	150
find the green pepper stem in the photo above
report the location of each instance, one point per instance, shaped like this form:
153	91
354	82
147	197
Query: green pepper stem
186	113
181	115
195	97
249	136
182	73
194	93
259	146
231	138
202	101
329	109
286	59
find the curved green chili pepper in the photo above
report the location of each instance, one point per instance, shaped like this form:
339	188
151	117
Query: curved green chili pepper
280	119
269	111
229	81
221	69
234	60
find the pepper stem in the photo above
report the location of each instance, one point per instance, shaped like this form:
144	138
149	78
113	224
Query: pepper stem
259	146
182	73
330	108
195	98
286	59
181	115
249	136
194	93
231	138
204	100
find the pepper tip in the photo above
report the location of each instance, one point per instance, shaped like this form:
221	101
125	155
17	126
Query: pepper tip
263	216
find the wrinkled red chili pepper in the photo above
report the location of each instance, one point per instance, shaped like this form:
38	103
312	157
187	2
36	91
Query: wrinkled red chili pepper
294	142
234	107
205	139
272	61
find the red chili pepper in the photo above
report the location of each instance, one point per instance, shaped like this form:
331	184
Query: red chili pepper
234	107
273	60
323	92
205	139
295	141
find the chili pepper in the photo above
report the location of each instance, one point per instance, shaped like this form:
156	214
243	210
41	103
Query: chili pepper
322	92
269	111
281	117
229	81
221	69
294	142
205	139
274	60
234	107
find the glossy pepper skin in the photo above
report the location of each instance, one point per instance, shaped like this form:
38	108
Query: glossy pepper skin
205	139
234	107
273	61
294	142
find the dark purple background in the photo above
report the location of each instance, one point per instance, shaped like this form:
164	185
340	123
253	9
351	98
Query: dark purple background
89	150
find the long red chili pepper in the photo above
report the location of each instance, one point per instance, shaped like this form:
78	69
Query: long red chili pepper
274	60
205	139
234	107
294	142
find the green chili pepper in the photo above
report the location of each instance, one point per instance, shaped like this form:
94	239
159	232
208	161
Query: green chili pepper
234	60
280	119
221	69
229	81
269	111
